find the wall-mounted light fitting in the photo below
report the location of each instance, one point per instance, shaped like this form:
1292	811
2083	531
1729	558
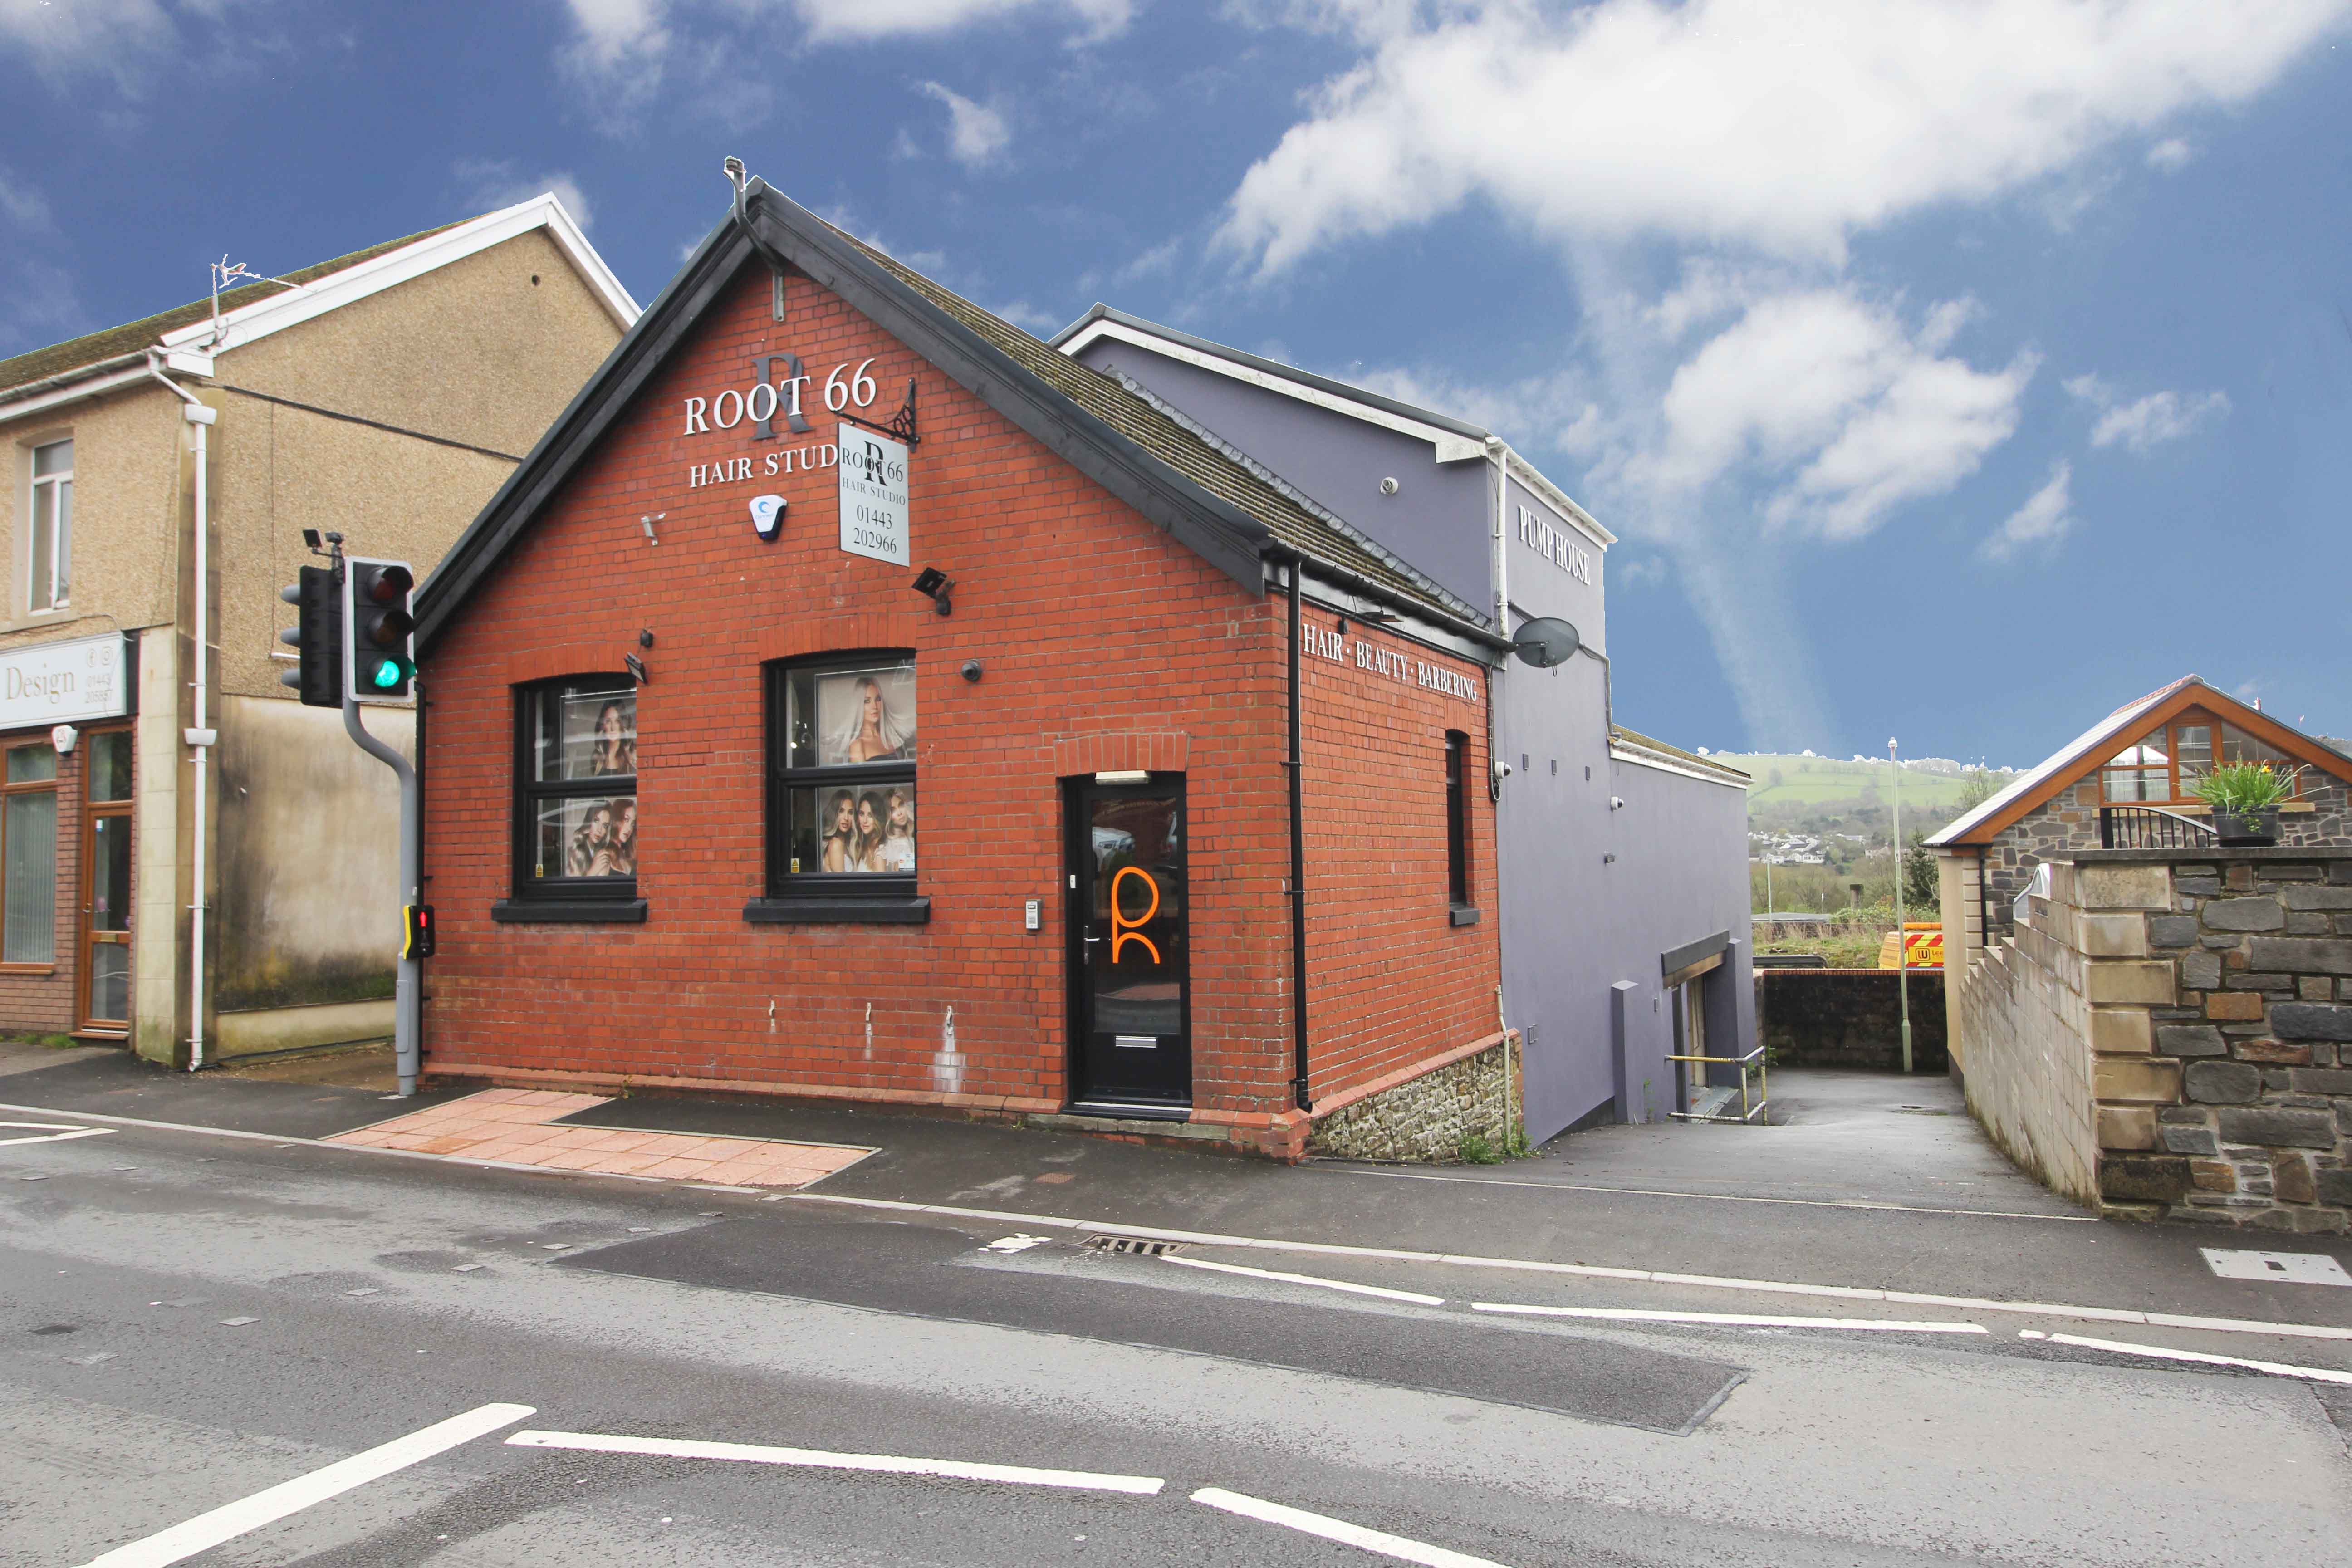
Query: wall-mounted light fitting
937	587
647	522
637	669
646	638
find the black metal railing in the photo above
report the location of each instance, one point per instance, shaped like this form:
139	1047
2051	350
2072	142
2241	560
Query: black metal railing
2147	827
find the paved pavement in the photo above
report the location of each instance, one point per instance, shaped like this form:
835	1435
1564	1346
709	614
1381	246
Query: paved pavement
188	1321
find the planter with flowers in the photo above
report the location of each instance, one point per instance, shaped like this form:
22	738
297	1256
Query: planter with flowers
2245	798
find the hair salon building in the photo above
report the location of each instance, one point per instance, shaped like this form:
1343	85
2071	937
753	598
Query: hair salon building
854	696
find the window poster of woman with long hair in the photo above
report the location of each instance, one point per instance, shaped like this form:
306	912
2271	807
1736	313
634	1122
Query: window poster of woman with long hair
866	715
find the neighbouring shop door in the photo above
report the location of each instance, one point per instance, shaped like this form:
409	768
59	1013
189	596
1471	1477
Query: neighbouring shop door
106	883
1129	1012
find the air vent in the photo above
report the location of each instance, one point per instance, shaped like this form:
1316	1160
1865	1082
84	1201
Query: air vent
1135	1246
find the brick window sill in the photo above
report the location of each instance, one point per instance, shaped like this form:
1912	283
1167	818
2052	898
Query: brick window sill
27	969
569	911
838	911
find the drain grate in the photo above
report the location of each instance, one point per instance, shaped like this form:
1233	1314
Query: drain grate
1135	1246
1922	1110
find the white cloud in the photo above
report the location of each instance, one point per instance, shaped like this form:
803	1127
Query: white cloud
2170	155
624	51
2044	518
977	134
490	183
860	21
1834	399
1781	126
1643	573
107	37
2149	423
1028	318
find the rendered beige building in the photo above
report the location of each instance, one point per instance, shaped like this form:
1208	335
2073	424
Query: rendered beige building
386	395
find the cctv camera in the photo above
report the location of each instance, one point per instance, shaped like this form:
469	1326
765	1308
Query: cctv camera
1616	803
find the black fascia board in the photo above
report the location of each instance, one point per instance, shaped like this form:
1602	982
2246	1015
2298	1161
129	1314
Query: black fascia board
569	440
1219	533
1222	533
1273	367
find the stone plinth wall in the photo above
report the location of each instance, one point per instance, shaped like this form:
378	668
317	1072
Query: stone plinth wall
2028	1069
1429	1117
1849	1018
2255	1043
2208	994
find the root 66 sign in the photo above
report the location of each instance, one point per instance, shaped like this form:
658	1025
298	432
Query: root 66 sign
872	471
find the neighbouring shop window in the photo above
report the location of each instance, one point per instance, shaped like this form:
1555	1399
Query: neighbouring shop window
49	566
28	854
842	812
2164	766
1457	819
576	796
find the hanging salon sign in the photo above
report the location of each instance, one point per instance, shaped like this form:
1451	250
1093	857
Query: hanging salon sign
872	474
64	682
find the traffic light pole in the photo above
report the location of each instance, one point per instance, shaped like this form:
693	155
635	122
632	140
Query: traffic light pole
407	987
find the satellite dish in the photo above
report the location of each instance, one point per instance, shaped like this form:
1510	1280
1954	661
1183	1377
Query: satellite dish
1546	641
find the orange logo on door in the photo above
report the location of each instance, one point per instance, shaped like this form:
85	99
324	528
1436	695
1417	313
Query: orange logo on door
1123	925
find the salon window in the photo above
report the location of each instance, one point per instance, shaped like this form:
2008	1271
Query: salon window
577	842
843	829
1458	820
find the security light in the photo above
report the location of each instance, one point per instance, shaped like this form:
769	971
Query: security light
937	587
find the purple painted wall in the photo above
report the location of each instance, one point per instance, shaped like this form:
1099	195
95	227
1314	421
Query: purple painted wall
1572	924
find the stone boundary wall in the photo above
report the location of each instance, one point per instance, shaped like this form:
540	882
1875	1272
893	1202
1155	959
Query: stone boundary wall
1426	1120
1849	1018
2028	1069
2207	992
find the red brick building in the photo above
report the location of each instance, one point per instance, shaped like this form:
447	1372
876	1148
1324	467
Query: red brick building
851	698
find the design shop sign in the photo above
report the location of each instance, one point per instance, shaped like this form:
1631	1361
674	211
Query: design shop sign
64	682
870	469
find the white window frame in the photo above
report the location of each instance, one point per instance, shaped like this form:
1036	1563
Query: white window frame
60	532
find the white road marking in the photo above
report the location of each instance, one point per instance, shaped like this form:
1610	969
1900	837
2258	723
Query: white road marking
1347	1285
1593	1271
1339	1530
2165	1352
53	1133
883	1464
1718	1198
2287	1268
1014	1243
230	1521
1337	1249
1735	1320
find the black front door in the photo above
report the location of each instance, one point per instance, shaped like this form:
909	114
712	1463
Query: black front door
1130	1014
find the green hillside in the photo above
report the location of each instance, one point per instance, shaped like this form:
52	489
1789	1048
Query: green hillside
1780	780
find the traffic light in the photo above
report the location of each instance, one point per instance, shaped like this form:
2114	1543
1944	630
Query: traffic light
319	677
416	930
379	658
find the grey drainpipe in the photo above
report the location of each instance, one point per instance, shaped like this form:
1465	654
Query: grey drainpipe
1296	765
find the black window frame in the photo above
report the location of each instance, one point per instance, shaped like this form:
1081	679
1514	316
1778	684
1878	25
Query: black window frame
561	897
820	897
1457	819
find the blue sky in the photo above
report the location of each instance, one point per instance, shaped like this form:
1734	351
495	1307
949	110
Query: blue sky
1950	371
